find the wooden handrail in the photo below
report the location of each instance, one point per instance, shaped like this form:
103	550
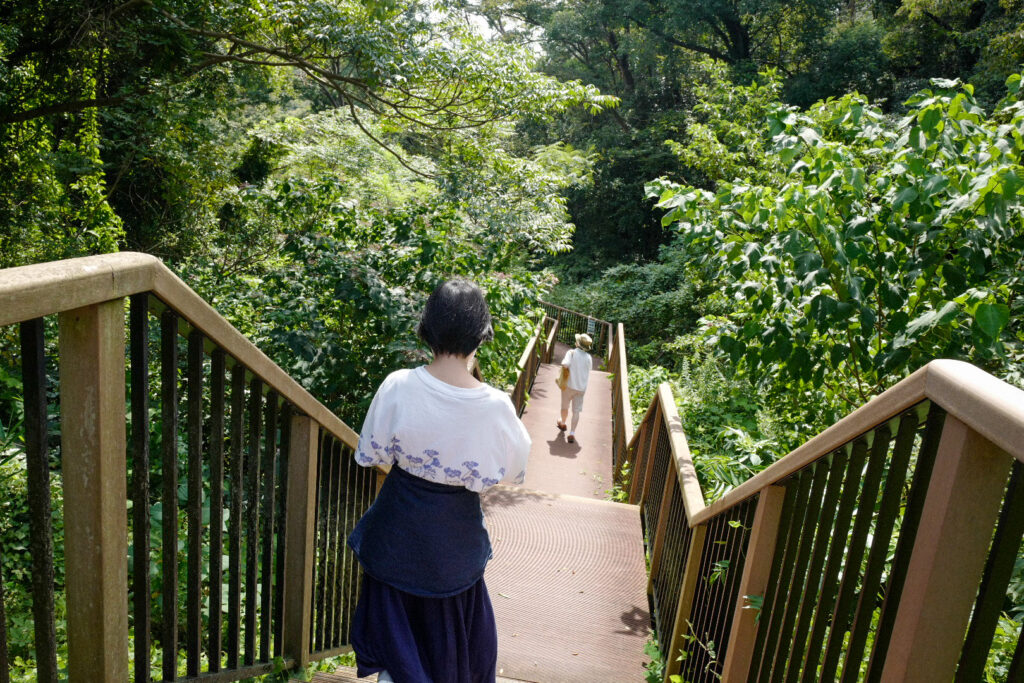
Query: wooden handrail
622	380
983	420
582	315
984	432
986	404
529	350
89	297
29	292
991	407
528	364
549	346
689	485
653	406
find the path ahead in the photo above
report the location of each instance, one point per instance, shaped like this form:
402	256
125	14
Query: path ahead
568	579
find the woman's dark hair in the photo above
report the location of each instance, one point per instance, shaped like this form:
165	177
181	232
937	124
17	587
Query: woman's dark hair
456	319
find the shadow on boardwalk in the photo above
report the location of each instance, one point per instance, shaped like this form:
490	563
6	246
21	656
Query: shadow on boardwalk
568	578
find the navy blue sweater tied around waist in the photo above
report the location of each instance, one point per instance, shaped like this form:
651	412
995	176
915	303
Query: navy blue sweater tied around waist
423	538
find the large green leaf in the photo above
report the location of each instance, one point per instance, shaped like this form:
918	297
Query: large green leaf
992	318
932	319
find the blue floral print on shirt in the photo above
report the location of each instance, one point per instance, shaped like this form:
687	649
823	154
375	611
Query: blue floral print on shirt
428	465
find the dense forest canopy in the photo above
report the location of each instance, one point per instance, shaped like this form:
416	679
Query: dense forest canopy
286	156
791	204
649	54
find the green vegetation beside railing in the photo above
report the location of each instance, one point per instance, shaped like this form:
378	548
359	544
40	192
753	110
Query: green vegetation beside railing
183	500
204	496
834	563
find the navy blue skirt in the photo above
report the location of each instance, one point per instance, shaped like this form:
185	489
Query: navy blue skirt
422	639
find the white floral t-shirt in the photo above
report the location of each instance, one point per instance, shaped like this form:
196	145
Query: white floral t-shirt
442	433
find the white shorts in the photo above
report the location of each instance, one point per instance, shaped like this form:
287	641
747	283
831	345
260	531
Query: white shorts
576	397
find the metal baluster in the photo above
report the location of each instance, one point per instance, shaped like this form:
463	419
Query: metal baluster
139	351
37	461
169	500
194	507
216	507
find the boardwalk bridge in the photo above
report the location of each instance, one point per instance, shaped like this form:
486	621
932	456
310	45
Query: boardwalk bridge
880	549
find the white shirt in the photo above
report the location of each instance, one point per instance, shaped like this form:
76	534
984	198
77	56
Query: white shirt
443	433
579	363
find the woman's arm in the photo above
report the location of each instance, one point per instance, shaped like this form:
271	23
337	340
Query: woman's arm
517	448
376	443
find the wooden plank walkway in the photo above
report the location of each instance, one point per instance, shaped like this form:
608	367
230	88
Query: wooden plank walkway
568	578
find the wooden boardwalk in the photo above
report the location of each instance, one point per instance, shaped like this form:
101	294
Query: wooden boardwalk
568	579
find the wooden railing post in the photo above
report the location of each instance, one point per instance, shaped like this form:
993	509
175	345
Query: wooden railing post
960	512
760	553
551	341
685	608
299	538
92	365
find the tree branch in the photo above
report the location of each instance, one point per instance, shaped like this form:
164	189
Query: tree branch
63	108
399	157
686	45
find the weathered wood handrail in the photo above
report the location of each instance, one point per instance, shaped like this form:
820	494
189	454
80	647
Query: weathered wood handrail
800	538
622	410
538	350
986	404
34	291
248	426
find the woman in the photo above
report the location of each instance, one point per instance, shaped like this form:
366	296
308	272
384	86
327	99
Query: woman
424	615
575	370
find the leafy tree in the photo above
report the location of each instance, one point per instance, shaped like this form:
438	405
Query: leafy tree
740	33
852	58
111	114
884	247
976	40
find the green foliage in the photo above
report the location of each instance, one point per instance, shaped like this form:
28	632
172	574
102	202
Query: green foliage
718	144
17	562
339	310
654	301
654	57
144	150
885	247
654	670
731	430
1000	656
619	492
853	59
976	41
